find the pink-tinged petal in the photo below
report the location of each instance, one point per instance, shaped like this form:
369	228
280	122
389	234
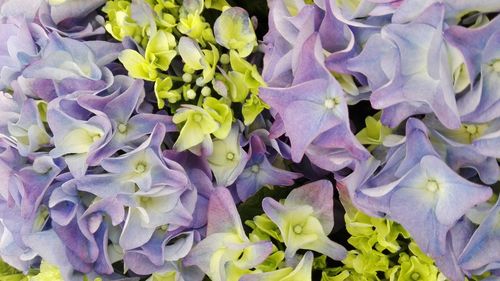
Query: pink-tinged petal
310	63
255	254
274	210
203	253
319	195
223	217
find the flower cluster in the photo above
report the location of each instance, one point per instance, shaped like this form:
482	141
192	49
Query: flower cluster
301	222
382	248
136	137
199	71
431	67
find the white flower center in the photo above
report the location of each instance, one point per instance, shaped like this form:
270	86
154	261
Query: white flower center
140	168
122	128
432	185
255	168
297	229
331	102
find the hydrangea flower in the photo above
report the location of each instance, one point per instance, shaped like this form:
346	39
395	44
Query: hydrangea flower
305	219
144	179
228	159
226	244
29	130
425	183
259	172
198	125
20	37
301	272
479	254
479	48
324	106
76	139
403	73
125	161
67	65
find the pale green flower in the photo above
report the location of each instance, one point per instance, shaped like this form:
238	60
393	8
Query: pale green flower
234	30
198	125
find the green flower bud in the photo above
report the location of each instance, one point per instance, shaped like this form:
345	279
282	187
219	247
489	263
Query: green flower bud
161	50
220	112
374	132
234	30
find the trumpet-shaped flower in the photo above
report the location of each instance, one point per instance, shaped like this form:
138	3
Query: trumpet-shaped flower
305	219
226	245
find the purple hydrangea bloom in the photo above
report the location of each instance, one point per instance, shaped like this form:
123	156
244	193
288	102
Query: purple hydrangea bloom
67	65
155	189
400	65
418	190
326	138
226	243
127	131
480	50
22	46
259	172
459	150
76	139
481	253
